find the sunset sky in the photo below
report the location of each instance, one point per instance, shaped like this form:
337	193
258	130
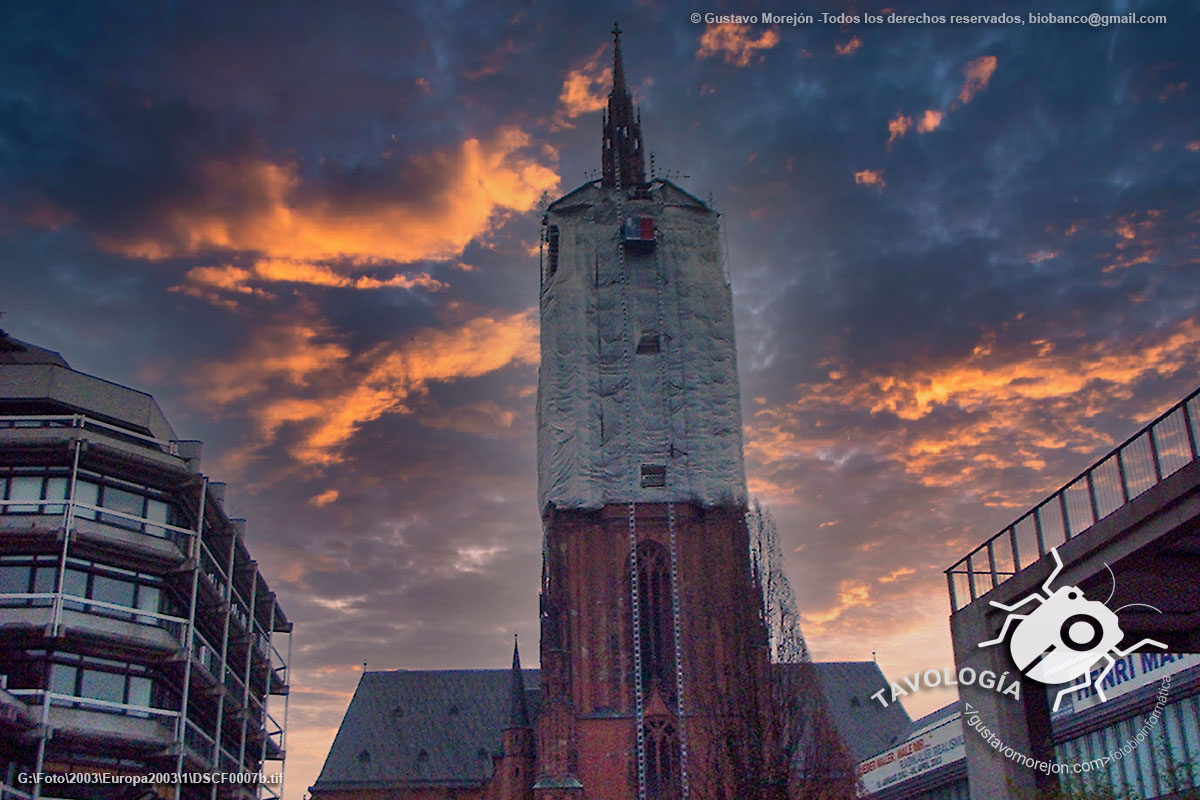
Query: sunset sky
965	263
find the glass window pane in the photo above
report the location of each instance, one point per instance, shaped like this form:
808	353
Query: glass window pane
121	500
75	582
24	487
56	489
103	686
14	579
148	600
139	691
89	494
156	511
111	590
45	579
62	679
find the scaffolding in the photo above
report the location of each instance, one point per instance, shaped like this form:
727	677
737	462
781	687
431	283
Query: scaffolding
144	640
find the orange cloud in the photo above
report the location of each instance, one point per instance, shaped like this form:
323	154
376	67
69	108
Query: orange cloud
930	121
849	47
898	127
585	89
324	498
735	42
1038	256
208	282
962	423
978	73
1134	243
870	177
296	377
441	201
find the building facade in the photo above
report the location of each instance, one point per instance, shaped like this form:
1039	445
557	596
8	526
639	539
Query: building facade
137	635
655	673
655	679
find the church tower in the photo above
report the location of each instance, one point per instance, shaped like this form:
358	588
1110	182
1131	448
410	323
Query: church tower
654	665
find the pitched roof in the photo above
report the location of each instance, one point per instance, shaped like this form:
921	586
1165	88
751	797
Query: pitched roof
518	707
932	719
422	727
864	725
444	726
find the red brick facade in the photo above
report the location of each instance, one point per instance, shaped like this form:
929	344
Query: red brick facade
588	728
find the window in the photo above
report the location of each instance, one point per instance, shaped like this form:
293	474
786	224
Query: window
132	500
102	679
21	493
656	618
132	590
648	343
25	575
552	237
662	759
654	476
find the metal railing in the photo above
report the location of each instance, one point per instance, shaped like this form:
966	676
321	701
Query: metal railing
1143	460
85	422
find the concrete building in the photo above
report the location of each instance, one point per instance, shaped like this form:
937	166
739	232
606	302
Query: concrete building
137	634
1127	529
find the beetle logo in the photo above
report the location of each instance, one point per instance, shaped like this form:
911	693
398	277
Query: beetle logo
1060	640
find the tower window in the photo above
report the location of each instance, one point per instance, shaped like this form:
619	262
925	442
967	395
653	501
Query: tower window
648	343
662	760
656	618
552	237
638	234
654	476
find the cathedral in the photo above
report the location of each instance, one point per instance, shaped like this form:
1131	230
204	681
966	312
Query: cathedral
656	681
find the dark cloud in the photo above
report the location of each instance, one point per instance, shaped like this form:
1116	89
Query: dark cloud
275	217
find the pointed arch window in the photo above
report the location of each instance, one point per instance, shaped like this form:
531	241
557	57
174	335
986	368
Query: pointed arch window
656	618
662	759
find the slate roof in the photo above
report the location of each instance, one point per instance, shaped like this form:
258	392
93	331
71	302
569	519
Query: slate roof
443	726
932	720
423	726
865	726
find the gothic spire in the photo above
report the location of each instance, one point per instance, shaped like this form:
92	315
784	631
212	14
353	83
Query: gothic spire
622	146
518	714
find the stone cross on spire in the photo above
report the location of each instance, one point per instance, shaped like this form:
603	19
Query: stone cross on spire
622	146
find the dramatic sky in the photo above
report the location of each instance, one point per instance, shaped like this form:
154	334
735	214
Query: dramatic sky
964	262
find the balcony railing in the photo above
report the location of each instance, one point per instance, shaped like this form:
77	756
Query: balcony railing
70	602
88	423
1154	453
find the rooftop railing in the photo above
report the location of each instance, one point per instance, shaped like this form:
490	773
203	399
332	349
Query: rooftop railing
1143	460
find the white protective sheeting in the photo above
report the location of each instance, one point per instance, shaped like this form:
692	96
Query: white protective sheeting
605	410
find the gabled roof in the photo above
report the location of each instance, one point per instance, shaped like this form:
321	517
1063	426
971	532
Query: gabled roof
423	727
442	727
593	193
864	725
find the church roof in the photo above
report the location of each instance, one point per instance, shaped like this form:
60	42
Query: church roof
864	725
442	727
423	727
593	193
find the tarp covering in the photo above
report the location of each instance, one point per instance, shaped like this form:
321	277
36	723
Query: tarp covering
605	410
